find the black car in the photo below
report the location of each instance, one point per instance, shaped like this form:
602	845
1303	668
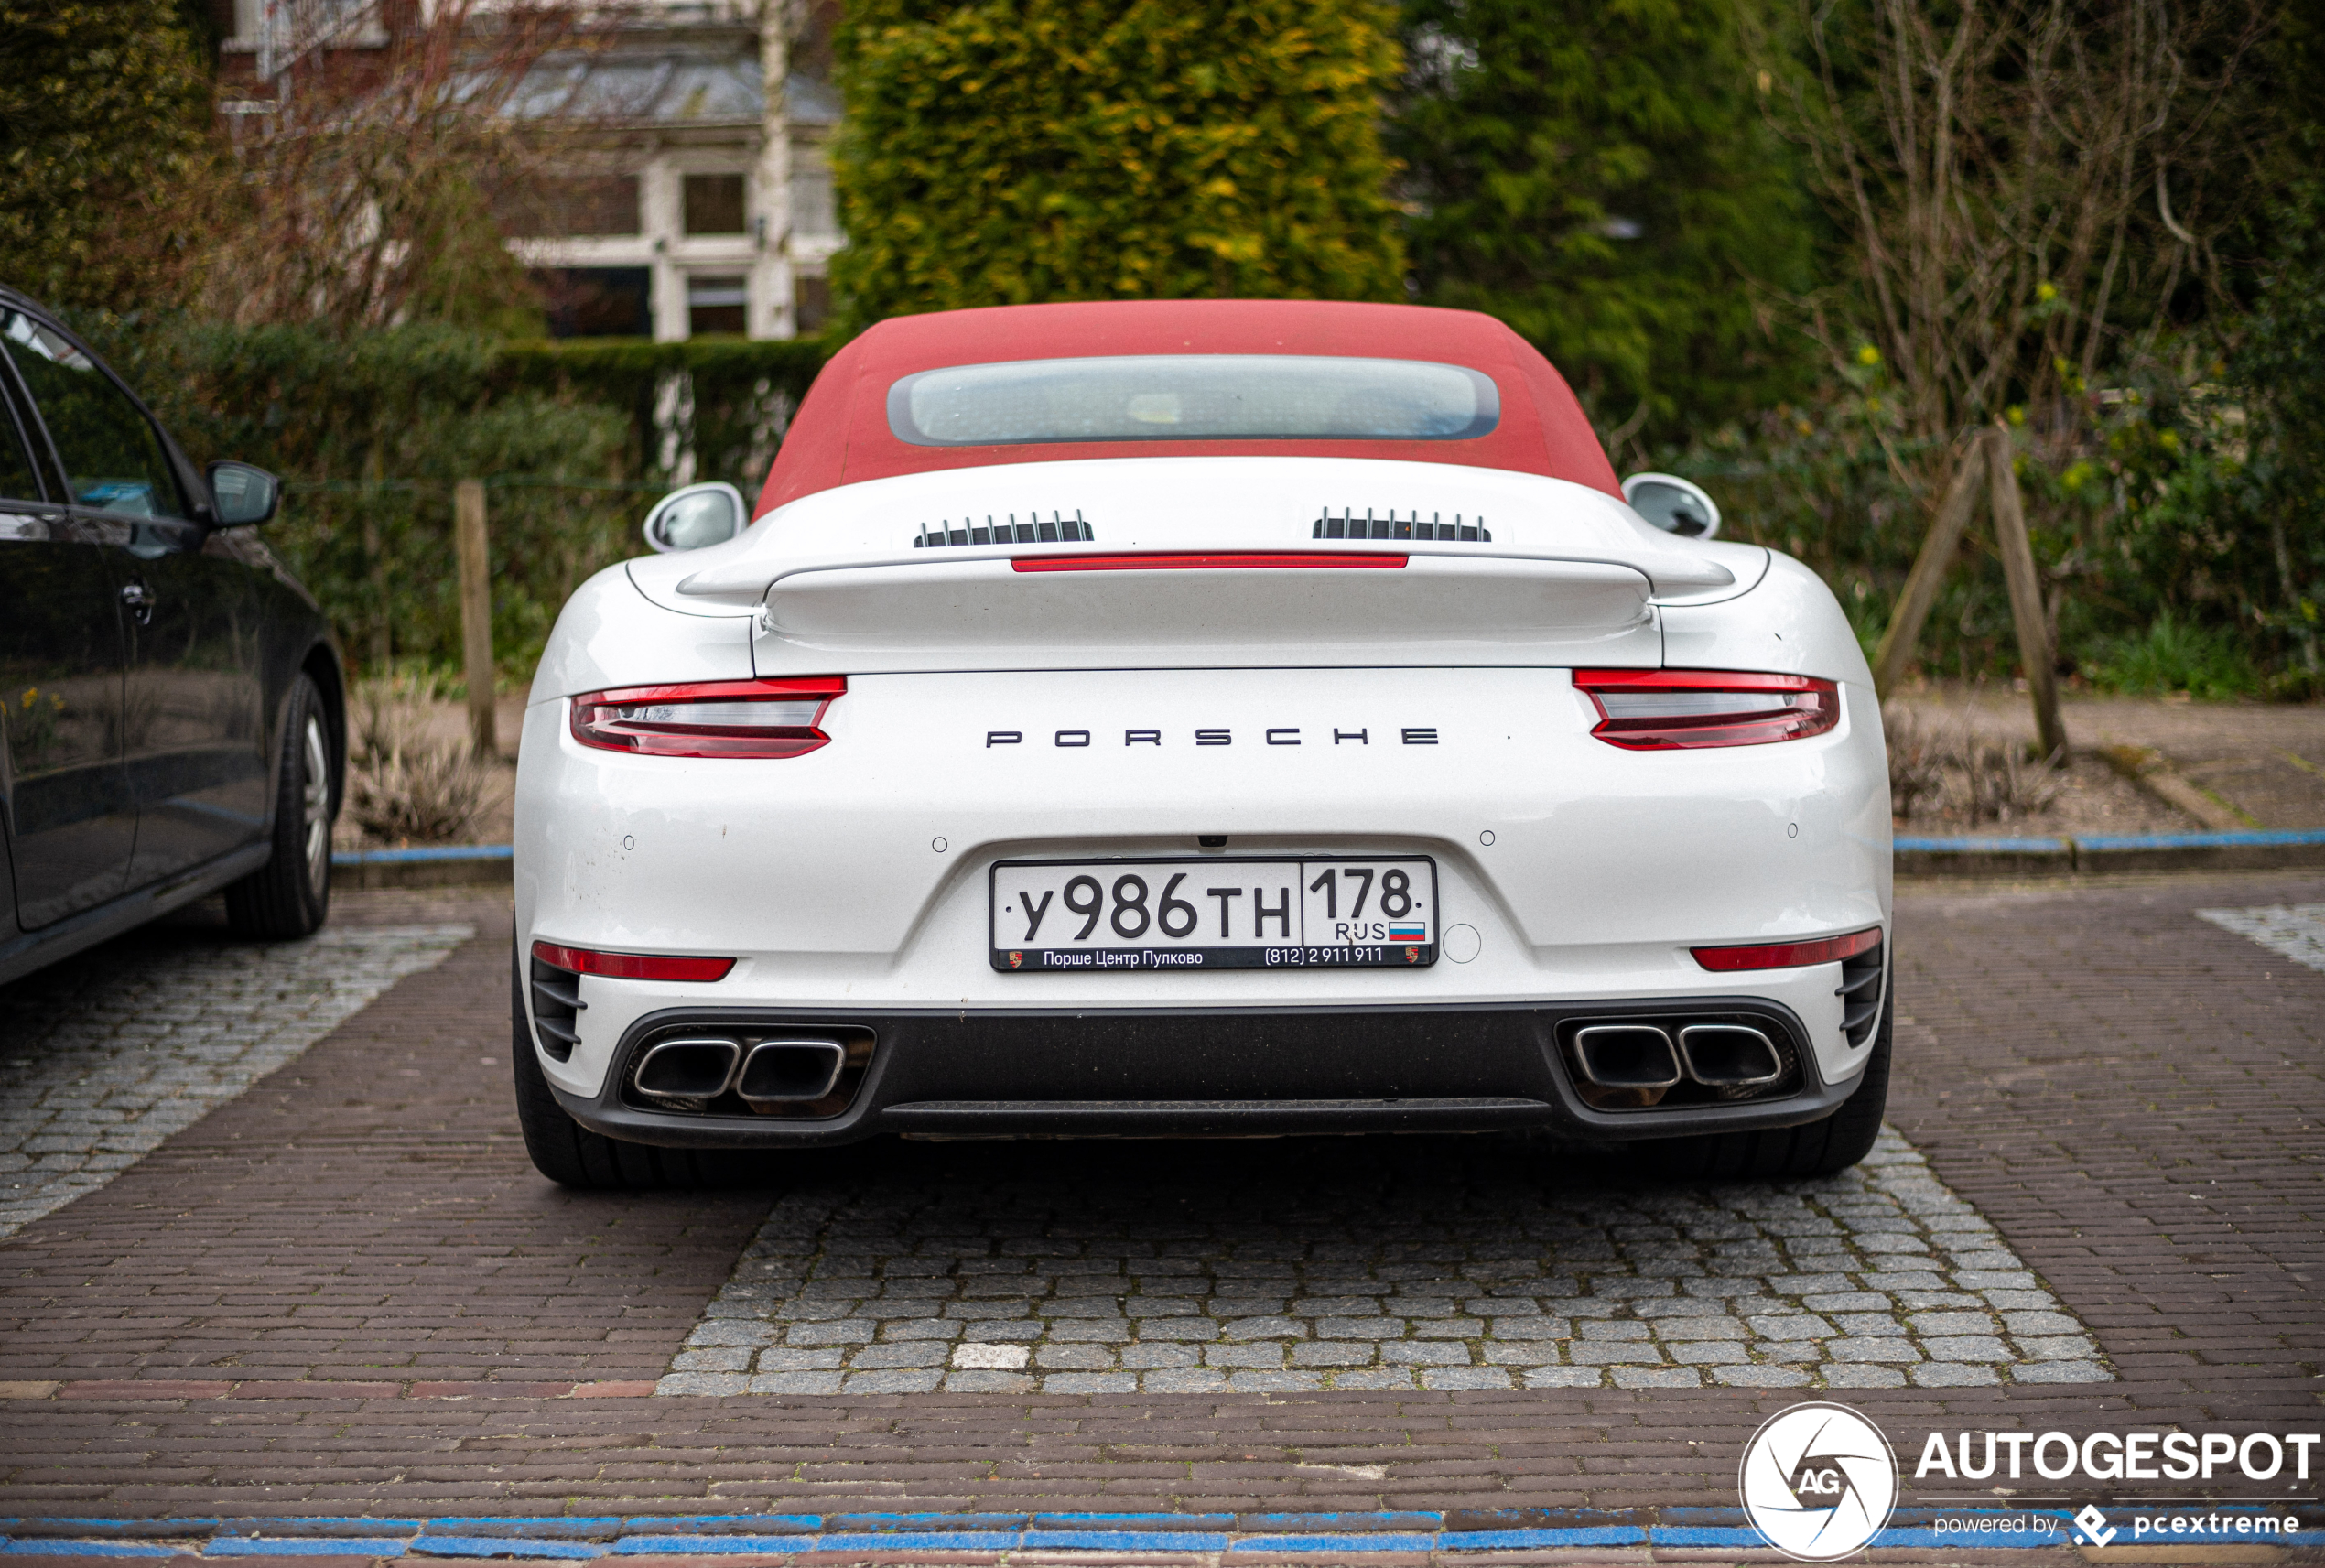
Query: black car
174	710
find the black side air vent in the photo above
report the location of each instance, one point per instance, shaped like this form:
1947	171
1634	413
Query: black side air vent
556	1001
1036	530
1348	525
1860	994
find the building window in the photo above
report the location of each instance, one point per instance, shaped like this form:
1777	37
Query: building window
597	301
810	304
569	207
716	304
714	204
814	214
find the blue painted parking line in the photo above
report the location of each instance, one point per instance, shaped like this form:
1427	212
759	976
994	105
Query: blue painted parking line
1099	1536
1979	846
306	1546
1126	1540
2266	839
353	858
510	1546
710	1545
56	1546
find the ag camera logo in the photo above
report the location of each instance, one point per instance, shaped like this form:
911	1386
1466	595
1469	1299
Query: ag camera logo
1817	1482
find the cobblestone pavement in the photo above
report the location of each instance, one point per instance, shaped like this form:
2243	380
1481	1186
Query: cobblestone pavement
1442	1267
2296	931
377	1308
106	1055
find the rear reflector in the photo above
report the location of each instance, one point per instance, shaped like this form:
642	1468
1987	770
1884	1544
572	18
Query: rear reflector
1790	954
1655	710
631	966
1220	561
713	719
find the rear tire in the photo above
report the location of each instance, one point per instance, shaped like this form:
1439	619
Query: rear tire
1818	1148
571	1154
290	895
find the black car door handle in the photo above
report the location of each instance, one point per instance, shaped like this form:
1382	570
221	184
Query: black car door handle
140	601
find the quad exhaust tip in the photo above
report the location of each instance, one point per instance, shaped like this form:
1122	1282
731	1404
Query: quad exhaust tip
689	1072
1730	1056
1627	1057
1633	1065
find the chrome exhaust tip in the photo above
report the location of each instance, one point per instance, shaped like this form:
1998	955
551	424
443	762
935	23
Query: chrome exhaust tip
780	1072
1730	1056
1627	1057
687	1071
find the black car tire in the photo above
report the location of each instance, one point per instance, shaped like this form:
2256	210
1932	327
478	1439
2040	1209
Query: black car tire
291	894
571	1156
1817	1148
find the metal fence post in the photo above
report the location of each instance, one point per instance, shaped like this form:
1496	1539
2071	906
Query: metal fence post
476	610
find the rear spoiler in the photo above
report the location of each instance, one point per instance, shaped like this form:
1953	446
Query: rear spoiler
1210	608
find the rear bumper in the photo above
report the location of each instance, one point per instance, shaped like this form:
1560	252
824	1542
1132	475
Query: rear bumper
1254	1072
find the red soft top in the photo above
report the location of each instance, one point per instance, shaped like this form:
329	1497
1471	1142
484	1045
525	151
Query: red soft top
840	435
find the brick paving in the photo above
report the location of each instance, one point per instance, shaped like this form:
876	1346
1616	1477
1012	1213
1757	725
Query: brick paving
309	1283
1439	1264
104	1057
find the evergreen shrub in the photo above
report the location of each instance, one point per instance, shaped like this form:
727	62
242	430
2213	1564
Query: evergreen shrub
1016	151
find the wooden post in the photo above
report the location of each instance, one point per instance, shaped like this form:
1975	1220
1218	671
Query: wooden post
476	610
2026	594
1921	585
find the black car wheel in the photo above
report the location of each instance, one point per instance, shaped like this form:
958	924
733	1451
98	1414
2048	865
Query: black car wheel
1816	1149
291	894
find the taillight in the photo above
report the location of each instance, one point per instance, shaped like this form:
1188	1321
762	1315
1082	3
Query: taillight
714	719
1655	710
1790	955
632	965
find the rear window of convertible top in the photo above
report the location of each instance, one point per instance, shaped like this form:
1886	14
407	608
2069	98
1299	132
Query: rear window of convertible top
1192	398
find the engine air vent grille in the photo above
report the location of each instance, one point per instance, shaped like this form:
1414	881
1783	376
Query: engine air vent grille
556	1004
1348	525
1036	530
1860	994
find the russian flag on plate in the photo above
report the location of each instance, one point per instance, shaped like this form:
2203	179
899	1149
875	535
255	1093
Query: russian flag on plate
1407	931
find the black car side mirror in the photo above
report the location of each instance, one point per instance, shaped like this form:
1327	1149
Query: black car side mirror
240	495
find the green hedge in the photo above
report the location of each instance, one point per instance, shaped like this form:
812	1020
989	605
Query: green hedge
371	432
1001	153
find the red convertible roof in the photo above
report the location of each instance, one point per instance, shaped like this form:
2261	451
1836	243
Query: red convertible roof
840	435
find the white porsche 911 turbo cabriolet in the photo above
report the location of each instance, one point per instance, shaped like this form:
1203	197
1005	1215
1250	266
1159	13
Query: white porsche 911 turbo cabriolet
1205	718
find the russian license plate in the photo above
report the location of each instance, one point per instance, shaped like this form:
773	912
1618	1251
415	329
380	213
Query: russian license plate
1351	912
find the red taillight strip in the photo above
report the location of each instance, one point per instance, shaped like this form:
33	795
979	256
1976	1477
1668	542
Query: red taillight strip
1217	561
1794	707
631	966
1790	955
1695	680
772	689
607	721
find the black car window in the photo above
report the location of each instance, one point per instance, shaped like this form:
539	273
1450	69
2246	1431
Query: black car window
18	482
114	461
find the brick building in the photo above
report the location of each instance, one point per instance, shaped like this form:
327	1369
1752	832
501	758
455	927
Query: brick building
693	193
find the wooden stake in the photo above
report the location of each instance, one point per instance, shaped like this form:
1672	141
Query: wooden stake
1938	548
476	610
2026	594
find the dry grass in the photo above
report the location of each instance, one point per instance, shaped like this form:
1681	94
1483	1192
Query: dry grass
1954	773
403	788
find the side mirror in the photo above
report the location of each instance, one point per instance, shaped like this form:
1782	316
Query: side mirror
1673	505
697	517
240	495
